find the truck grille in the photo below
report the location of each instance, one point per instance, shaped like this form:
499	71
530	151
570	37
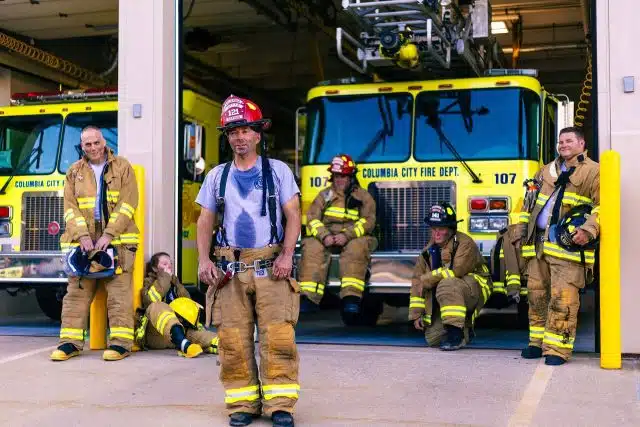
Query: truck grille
401	209
40	209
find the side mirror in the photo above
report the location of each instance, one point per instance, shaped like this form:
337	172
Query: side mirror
192	149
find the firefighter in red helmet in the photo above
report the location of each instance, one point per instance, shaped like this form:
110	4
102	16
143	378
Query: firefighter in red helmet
250	276
340	219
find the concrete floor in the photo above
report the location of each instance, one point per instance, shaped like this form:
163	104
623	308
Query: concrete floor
341	386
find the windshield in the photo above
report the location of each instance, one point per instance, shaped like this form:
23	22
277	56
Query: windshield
482	124
29	144
370	128
107	121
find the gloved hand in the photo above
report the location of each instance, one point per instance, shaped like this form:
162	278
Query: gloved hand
514	296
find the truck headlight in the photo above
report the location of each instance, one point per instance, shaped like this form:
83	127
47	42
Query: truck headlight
5	229
487	224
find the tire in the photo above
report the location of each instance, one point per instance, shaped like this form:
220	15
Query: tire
50	300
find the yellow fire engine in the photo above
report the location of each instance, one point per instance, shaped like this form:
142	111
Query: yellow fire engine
39	140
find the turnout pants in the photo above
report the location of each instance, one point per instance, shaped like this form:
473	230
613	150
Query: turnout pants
161	319
251	298
76	304
354	261
554	302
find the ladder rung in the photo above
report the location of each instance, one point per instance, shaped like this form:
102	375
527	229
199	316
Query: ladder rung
384	14
396	23
379	3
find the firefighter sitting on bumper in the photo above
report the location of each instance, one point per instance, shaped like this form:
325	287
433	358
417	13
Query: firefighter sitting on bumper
557	267
340	219
169	317
451	269
100	199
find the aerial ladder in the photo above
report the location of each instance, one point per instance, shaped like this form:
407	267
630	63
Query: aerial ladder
433	37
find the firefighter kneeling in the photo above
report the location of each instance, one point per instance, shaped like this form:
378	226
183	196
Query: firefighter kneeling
169	318
452	269
340	220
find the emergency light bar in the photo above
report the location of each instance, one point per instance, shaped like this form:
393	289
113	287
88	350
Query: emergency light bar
94	94
511	72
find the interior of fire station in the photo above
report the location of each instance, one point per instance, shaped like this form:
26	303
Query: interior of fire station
164	57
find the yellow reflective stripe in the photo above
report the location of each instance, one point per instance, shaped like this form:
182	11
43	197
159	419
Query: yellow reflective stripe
280	390
542	199
121	332
112	196
486	290
214	342
528	251
447	274
524	291
524	217
340	213
513	279
163	319
316	288
426	319
536	332
234	395
86	202
68	215
80	221
595	210
72	334
154	295
130	238
116	241
453	311
499	287
417	302
358	227
127	209
558	340
556	251
315	224
501	253
570	198
485	268
353	282
64	245
114	216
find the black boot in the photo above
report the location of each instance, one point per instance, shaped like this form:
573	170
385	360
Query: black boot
554	360
351	304
454	338
240	419
532	352
282	419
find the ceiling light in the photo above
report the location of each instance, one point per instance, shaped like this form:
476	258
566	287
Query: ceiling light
499	27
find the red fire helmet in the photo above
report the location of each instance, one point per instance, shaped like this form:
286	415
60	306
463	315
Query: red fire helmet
238	112
343	164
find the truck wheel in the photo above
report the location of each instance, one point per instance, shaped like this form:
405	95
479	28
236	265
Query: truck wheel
50	300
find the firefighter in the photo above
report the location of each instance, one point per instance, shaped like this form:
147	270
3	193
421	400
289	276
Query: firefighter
168	317
247	200
507	268
556	274
340	219
100	198
450	283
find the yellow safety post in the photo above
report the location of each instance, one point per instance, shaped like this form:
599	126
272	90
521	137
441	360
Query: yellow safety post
610	338
98	316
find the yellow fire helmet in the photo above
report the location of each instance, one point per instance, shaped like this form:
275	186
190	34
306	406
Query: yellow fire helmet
188	309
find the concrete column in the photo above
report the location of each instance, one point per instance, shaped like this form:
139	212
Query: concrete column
147	84
619	129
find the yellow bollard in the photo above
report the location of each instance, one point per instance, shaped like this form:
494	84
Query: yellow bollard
610	338
98	316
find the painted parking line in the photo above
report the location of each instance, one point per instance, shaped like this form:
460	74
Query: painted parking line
532	396
26	354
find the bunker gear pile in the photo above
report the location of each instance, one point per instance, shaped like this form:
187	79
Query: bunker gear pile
507	266
330	214
451	292
556	275
118	203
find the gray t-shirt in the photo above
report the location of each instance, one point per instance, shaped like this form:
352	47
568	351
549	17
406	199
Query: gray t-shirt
245	228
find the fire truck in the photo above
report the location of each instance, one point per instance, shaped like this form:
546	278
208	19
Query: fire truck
39	140
436	121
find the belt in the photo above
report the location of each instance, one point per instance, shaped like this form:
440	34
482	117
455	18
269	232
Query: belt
241	267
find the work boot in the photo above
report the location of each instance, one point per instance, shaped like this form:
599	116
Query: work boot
282	419
192	350
64	352
115	352
554	360
351	304
454	339
241	418
532	352
307	306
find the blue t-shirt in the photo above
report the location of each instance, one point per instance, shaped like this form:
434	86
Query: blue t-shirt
245	227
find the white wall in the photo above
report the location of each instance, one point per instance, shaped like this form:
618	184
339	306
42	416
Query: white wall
146	76
619	129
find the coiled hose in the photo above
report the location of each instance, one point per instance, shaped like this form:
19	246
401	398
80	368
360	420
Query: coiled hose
585	96
51	61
